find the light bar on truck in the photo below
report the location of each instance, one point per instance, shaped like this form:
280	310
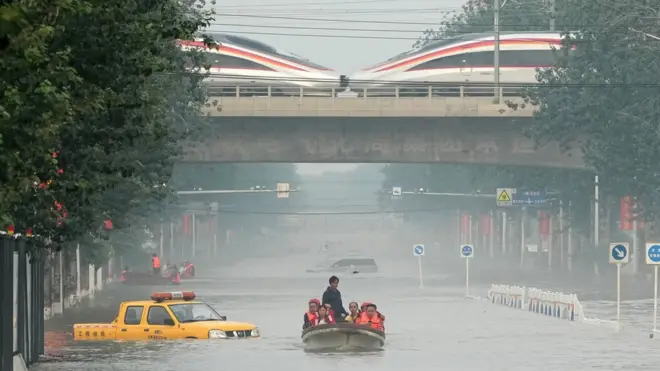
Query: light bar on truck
162	296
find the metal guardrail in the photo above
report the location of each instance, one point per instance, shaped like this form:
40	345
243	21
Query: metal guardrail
391	91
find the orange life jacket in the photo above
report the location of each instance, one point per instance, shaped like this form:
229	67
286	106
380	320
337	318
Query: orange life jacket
155	262
374	322
311	317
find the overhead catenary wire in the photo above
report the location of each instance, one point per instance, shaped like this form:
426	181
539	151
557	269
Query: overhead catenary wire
322	3
313	213
622	26
422	37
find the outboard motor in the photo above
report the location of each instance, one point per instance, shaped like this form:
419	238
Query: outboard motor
343	81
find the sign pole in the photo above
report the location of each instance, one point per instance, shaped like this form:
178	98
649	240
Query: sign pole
418	251
618	296
421	276
653	258
655	298
561	233
503	232
467	253
467	277
634	247
491	228
522	237
619	254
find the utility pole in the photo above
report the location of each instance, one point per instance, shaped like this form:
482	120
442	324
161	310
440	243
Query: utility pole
496	54
552	15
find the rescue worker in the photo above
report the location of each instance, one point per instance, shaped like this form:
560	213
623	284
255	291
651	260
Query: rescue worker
332	296
311	314
324	317
190	269
354	312
364	309
176	278
123	274
371	318
155	264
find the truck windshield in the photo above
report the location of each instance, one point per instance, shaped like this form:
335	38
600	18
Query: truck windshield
195	312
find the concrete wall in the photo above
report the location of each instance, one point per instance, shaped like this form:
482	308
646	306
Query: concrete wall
494	140
311	106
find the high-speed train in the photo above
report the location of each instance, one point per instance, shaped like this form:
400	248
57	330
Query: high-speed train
254	66
466	59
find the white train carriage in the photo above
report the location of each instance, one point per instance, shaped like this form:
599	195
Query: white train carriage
466	60
255	67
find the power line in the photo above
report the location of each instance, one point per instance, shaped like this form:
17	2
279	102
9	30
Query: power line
325	3
315	28
436	24
419	38
315	213
321	19
319	35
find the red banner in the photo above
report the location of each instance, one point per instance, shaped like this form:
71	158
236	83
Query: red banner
544	224
626	213
465	224
186	224
485	224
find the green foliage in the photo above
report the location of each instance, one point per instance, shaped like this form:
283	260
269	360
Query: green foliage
603	97
104	85
575	186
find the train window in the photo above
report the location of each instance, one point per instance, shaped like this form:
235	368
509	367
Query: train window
225	61
510	58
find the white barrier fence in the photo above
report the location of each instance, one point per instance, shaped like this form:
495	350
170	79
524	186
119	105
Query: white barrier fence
546	303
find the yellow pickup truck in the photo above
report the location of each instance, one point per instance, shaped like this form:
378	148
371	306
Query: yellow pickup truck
168	315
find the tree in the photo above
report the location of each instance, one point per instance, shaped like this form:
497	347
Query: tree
36	100
95	96
603	94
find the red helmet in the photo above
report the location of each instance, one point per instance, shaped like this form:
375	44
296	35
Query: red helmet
316	301
366	303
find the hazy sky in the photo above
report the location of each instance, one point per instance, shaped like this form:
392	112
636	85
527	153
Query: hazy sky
340	34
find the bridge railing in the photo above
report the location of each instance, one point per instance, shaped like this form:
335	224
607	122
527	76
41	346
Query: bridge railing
387	91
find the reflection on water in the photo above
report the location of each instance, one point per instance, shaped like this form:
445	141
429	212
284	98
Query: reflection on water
429	329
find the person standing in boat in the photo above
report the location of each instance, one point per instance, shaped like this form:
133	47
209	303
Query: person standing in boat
354	312
312	313
324	317
332	296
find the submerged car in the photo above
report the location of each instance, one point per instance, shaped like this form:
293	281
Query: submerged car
348	265
167	316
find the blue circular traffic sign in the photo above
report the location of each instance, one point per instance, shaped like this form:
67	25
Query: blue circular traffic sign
619	252
654	253
418	250
467	250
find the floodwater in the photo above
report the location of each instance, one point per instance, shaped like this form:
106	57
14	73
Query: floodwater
434	328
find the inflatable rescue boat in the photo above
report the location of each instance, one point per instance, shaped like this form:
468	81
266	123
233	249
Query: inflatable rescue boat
342	336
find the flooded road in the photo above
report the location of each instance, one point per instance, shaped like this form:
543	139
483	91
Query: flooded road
428	329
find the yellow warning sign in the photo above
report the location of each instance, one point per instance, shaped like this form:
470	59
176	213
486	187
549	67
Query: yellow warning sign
503	197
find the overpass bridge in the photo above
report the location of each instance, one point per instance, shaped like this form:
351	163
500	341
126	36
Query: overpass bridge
386	125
